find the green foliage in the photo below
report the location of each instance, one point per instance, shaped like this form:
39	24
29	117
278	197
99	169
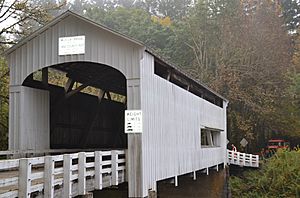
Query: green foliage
244	55
135	23
22	15
4	81
279	177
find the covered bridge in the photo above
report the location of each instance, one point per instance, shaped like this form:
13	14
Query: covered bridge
71	82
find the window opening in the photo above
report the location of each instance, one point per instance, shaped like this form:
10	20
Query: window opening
210	138
164	72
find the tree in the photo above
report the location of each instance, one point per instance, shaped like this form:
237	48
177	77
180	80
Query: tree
242	50
17	19
4	80
135	23
14	14
291	13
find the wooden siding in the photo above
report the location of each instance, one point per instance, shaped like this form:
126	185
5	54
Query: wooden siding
30	124
170	143
172	121
101	46
134	157
41	50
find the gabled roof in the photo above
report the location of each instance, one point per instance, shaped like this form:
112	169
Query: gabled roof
60	18
136	42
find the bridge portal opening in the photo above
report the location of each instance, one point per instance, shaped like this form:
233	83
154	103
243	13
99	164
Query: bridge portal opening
87	104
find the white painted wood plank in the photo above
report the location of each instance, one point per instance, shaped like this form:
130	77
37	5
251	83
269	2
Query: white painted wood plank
24	178
114	167
49	177
37	188
81	173
67	185
98	170
8	164
106	170
10	194
90	165
106	162
37	175
58	171
8	181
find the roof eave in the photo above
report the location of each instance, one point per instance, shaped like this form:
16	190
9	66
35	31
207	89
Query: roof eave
149	50
60	18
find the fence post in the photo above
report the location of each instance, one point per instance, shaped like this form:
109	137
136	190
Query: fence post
81	173
251	161
176	180
114	167
98	170
67	185
49	177
244	159
24	178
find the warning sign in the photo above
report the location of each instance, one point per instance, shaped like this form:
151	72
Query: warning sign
133	121
244	142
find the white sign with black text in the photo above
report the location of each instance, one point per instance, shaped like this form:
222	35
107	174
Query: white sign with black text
133	121
71	45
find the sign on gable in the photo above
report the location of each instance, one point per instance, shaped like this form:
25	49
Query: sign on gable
71	45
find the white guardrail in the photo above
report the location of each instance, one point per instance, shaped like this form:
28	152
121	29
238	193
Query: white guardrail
242	159
66	175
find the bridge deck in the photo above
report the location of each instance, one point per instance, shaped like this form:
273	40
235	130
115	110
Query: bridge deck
45	176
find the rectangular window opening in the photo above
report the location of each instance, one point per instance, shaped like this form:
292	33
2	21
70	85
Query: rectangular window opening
210	138
164	72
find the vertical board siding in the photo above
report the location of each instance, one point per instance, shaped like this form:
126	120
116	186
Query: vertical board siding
101	47
34	115
172	118
29	118
134	157
14	112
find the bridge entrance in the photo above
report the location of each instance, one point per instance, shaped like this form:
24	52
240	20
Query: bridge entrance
86	107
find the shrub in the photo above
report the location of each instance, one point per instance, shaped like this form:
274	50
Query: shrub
279	176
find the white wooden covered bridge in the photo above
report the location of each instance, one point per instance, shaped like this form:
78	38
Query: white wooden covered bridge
103	74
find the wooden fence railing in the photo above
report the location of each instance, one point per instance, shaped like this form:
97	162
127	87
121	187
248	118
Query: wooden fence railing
242	159
66	175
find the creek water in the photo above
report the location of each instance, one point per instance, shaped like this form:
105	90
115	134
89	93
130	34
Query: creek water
213	185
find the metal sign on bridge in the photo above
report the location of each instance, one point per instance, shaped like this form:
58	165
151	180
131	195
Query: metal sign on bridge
133	121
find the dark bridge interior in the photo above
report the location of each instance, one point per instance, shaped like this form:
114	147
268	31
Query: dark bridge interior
87	104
